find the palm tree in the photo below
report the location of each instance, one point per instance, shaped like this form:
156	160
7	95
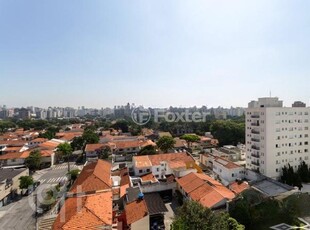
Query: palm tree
66	151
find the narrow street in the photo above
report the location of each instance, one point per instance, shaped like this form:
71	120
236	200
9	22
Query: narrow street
20	215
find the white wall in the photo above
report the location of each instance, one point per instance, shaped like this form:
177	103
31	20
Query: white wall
142	224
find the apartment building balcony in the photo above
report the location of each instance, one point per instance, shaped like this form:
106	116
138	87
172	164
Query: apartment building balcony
255	155
255	147
255	163
255	116
255	131
255	124
255	139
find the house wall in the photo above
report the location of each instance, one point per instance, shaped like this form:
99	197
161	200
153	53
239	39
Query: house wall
11	162
228	175
142	224
157	187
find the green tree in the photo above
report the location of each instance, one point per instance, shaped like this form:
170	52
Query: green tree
165	143
25	182
77	143
90	137
228	132
303	172
33	161
122	125
104	153
73	174
66	151
147	150
192	215
190	138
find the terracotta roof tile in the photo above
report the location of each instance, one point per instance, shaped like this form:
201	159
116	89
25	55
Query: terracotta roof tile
204	189
142	161
226	163
94	176
148	177
93	147
238	188
135	211
89	212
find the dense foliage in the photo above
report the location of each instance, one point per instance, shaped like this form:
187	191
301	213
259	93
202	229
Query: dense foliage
193	215
295	178
25	182
165	143
33	161
228	132
190	138
147	150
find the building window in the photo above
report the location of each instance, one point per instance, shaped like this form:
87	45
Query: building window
148	170
232	175
140	171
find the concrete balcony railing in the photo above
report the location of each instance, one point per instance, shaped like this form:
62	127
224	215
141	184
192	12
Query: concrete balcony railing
255	132
255	116
255	139
254	124
255	155
255	163
255	147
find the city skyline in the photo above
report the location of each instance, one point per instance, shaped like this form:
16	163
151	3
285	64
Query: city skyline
153	53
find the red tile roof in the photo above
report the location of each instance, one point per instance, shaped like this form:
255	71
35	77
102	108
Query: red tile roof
93	147
89	212
238	188
175	160
148	177
204	189
95	176
226	163
135	211
15	155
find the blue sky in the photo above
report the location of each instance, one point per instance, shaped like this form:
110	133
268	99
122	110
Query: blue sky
153	53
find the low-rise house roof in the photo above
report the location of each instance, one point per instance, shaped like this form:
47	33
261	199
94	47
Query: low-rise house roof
205	189
8	174
95	176
239	187
175	160
15	155
148	177
93	147
89	212
51	144
226	163
135	211
154	204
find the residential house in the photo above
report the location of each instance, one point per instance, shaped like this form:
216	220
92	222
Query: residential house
178	164
92	150
146	212
93	211
224	169
9	183
205	190
90	204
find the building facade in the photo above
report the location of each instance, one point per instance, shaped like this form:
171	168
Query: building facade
276	136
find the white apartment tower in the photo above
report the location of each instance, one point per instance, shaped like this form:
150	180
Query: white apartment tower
276	136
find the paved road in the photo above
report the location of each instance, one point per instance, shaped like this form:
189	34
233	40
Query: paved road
55	174
20	215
